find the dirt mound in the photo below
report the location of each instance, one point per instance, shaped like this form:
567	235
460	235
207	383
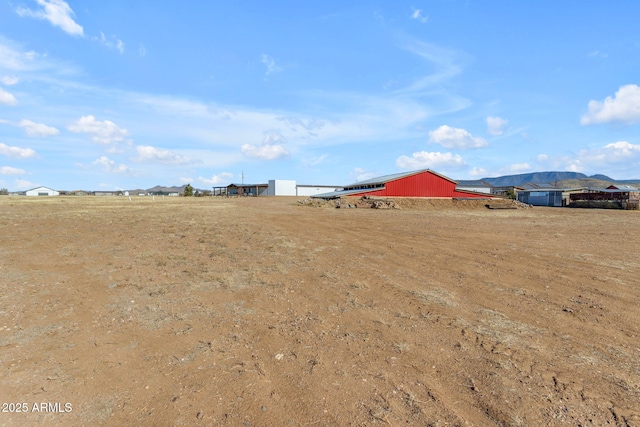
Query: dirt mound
368	202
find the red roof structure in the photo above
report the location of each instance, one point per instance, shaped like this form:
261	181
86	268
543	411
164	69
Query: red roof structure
421	183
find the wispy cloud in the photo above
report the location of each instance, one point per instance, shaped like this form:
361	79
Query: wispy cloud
8	170
419	16
265	151
37	130
57	12
110	166
111	42
447	64
597	54
13	59
105	132
453	138
623	108
270	63
9	80
16	152
220	178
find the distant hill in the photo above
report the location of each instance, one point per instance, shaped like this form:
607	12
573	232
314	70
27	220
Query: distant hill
534	177
563	179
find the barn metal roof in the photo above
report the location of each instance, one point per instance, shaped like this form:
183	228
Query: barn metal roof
337	194
392	177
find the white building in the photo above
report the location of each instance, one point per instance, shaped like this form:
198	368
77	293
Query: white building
282	187
41	191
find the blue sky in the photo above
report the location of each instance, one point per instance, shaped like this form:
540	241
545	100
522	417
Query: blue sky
129	94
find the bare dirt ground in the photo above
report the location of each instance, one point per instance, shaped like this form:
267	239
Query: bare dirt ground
265	312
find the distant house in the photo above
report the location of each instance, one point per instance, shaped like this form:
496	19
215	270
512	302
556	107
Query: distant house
556	197
506	190
41	191
246	189
614	196
104	193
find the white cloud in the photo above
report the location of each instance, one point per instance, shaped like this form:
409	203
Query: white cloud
519	167
23	183
16	152
270	63
430	160
57	12
265	151
272	147
149	153
495	125
542	157
617	152
453	138
417	15
223	177
110	166
361	174
105	132
6	98
186	180
8	170
478	172
617	159
623	108
8	80
37	130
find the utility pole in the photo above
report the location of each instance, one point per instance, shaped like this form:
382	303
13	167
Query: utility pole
242	176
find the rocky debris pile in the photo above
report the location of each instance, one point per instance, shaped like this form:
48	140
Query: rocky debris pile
318	203
521	205
367	202
507	204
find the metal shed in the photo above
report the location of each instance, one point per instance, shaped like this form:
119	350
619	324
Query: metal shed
42	191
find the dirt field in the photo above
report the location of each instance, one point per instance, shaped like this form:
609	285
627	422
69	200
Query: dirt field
264	312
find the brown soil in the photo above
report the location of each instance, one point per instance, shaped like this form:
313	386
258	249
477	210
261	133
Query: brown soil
266	312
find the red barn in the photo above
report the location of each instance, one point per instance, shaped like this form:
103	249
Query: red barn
422	183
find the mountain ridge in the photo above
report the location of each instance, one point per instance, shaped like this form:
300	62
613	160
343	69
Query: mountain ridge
550	177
